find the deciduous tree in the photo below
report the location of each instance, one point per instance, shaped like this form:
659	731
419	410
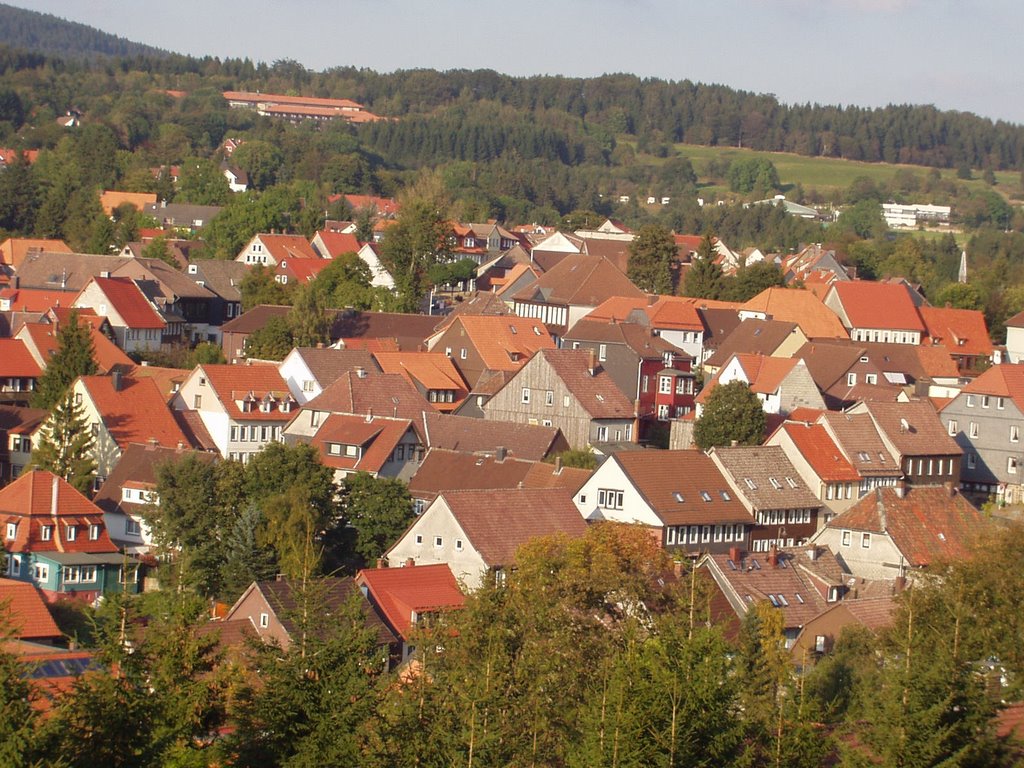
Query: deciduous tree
651	254
732	412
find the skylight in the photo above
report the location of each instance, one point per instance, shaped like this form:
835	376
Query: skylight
705	495
678	497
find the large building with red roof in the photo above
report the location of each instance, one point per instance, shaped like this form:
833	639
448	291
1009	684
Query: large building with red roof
135	321
873	311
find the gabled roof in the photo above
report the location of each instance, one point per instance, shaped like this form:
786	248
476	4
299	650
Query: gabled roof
233	383
682	487
222	277
961	331
752	337
110	200
877	305
498	522
829	362
24	613
282	247
432	370
765	476
107	354
16	361
764	375
301	270
36	299
617	309
801	307
374	437
581	280
442	470
594	389
821	452
1001	381
409	331
858	439
136	413
928	524
327	364
404	593
480	303
32	500
545	475
171	283
130	302
65	271
675	313
468	435
13	250
636	338
498	339
21	421
338	243
379	394
914	428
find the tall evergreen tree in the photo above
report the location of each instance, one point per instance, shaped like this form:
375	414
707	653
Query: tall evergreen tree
704	279
65	444
75	356
650	259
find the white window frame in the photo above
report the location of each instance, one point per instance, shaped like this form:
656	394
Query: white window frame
525	397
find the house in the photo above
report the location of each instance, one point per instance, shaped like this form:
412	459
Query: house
896	532
781	384
681	495
531	442
445	470
986	420
55	538
570	390
818	636
14	250
813	264
1015	338
861	444
129	493
243	407
136	323
784	510
379	275
876	311
410	599
55	271
820	463
917	440
799	583
298	271
433	374
649	370
571	289
238	180
224	280
368	392
182	215
771	338
19	430
479	344
378	445
41	341
19	371
122	410
111	200
961	331
270	249
186	306
308	370
477	533
273	609
673	318
789	305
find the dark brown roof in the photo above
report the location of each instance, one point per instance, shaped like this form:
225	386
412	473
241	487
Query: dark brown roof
596	392
409	330
191	424
222	277
718	324
682	487
328	364
752	337
633	336
616	251
498	522
21	421
828	362
858	439
582	280
72	270
461	433
443	470
381	394
914	428
766	477
254	319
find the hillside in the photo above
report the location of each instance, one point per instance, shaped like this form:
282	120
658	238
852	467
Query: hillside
45	33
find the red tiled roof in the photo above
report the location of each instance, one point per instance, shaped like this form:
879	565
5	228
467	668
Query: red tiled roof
29	502
376	437
106	353
137	413
385	206
36	299
302	270
129	301
16	361
338	243
232	383
929	524
283	247
24	611
961	331
878	305
821	452
401	592
1001	381
498	522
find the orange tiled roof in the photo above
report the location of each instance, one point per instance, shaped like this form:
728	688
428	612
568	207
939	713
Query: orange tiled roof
433	370
24	611
111	200
13	250
130	302
283	247
496	336
16	361
302	270
36	299
961	331
878	305
764	374
30	501
338	243
402	592
821	452
232	383
137	413
1002	381
801	307
106	353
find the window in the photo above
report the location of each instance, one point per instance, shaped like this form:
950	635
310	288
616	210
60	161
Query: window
693	534
972	460
72	532
1014	434
400	453
602	352
819	644
462	353
12	530
419	538
197	401
610	499
665	385
865	540
458	545
718	533
131	527
14	565
353	450
1011	465
46	534
41	572
974	429
526	395
264	620
847	538
984	401
307	385
670	535
1000	403
644	385
952	427
334	449
970	401
705	533
565	401
871	378
438	542
602	434
663	412
851	379
549	397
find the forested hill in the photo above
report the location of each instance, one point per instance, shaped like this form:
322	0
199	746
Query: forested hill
45	33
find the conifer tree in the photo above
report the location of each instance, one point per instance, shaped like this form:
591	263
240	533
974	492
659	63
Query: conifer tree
65	445
650	259
704	279
75	356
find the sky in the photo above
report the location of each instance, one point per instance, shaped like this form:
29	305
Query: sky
956	54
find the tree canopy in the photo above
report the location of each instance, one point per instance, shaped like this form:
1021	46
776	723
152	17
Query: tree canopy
732	412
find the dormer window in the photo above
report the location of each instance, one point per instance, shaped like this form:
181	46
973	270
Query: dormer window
12	530
94	532
72	532
286	406
46	533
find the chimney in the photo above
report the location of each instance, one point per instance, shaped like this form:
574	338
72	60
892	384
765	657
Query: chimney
901	488
950	488
54	490
812	553
380	563
736	555
592	361
15	282
558	465
500	453
733	443
152	443
773	556
116	380
900	584
409	562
